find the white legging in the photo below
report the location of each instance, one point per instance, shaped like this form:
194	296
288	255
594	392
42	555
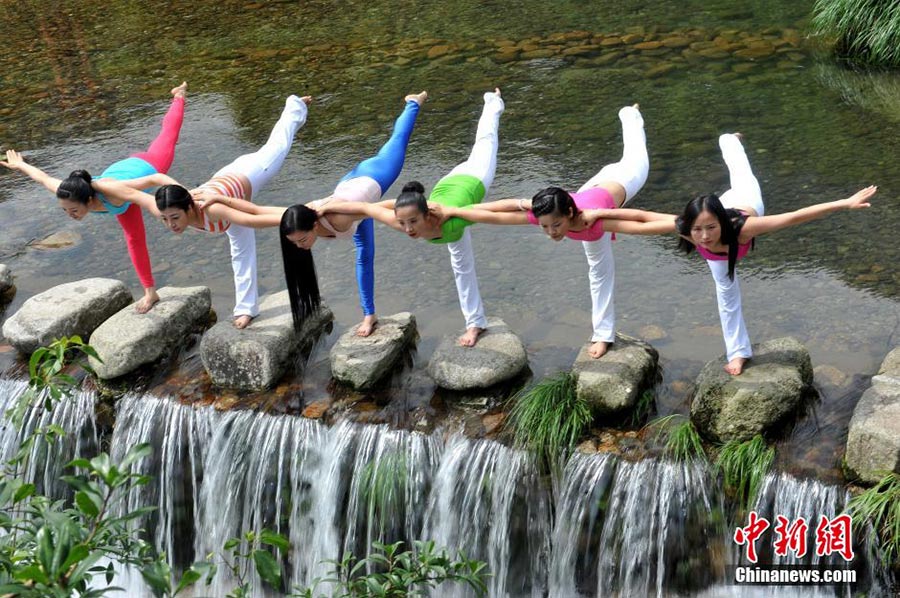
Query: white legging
744	193
482	164
259	168
630	172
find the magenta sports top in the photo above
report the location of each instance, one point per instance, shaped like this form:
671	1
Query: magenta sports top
743	249
596	197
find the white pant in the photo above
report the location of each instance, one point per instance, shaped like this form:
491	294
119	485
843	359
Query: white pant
482	164
630	172
259	168
744	192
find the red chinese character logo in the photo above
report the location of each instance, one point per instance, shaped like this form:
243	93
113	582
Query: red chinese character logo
835	536
748	535
791	537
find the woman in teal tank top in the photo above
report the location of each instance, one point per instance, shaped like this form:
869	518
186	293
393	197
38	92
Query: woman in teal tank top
465	185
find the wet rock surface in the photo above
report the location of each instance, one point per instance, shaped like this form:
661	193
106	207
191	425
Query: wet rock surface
613	383
362	362
128	339
498	356
257	356
873	441
770	389
7	287
71	308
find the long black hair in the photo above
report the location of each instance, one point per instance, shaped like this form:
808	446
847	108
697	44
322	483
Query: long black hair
174	196
299	267
553	200
730	222
76	187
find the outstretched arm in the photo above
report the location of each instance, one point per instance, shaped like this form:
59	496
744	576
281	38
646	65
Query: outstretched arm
268	219
117	192
157	179
504	205
361	210
655	227
206	198
483	216
14	161
606	214
758	225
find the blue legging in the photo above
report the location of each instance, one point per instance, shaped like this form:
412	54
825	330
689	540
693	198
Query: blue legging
384	167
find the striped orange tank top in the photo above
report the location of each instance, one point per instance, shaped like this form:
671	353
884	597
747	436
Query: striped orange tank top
228	185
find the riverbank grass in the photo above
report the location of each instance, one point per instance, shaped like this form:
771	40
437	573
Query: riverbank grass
880	506
744	465
866	31
683	442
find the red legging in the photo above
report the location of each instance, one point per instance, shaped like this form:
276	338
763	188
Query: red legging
159	155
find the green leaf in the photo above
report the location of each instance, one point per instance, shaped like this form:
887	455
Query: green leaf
274	539
138	451
24	491
267	567
86	504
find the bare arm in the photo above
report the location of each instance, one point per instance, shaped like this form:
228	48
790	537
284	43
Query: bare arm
362	210
606	214
117	193
263	220
206	199
153	180
656	227
505	205
758	225
14	161
485	216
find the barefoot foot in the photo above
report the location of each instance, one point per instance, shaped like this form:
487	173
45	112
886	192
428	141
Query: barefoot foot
598	349
306	100
470	337
418	98
368	325
740	136
150	297
735	366
179	91
242	322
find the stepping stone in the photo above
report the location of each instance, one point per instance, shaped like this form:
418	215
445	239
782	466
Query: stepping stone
257	356
613	383
498	356
7	287
362	362
128	339
873	441
64	310
770	389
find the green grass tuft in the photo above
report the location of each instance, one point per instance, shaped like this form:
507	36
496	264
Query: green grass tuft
382	488
643	407
744	465
880	506
867	31
548	418
683	442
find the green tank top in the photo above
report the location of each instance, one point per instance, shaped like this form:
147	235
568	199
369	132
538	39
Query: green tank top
459	191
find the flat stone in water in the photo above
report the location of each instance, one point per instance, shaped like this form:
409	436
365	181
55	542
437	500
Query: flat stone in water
770	389
59	240
129	340
362	362
64	310
257	356
613	383
873	441
498	356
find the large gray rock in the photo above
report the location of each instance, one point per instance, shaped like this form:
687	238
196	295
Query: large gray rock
128	339
770	389
873	441
7	287
257	356
66	309
498	356
362	362
613	383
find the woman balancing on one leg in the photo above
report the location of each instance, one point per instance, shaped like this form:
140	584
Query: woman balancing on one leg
79	193
722	230
367	182
465	185
237	182
561	215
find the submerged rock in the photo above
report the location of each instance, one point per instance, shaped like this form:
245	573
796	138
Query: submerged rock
71	308
770	389
498	356
873	441
362	362
7	287
613	383
257	356
58	240
129	340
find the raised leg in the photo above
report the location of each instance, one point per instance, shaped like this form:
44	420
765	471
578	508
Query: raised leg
161	152
631	171
745	191
482	161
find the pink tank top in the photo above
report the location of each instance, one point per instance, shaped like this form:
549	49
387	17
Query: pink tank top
596	197
743	249
323	220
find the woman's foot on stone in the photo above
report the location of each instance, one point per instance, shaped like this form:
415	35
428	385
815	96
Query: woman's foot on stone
736	366
242	322
147	301
470	337
418	98
179	91
598	349
368	326
306	100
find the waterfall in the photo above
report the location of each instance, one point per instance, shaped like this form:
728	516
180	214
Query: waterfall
46	461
